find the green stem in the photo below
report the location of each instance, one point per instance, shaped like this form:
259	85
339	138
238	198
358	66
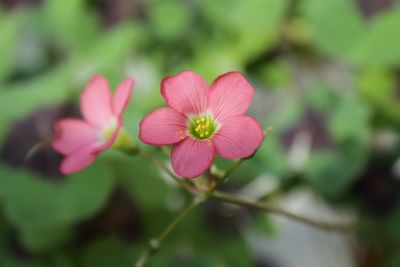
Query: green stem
231	170
155	243
159	163
344	227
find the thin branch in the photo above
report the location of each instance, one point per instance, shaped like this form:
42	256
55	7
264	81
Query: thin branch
344	227
155	244
231	170
160	164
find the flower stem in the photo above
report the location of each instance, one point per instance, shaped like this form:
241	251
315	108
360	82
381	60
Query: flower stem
159	163
231	170
155	243
344	227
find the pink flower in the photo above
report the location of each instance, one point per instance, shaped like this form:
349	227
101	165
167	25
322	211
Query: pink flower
80	141
202	121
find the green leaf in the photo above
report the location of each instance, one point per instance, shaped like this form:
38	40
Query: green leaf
109	252
34	202
336	26
70	23
139	176
108	55
249	27
348	125
331	174
379	87
9	29
178	22
350	121
276	74
38	239
223	57
327	169
379	47
22	98
115	44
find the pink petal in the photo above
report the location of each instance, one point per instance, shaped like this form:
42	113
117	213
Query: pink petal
122	96
96	102
190	158
239	137
230	95
185	92
77	161
163	126
72	134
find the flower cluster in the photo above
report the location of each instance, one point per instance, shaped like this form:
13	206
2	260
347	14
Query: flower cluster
201	121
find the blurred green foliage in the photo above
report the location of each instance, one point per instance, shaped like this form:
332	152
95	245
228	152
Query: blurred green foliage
327	76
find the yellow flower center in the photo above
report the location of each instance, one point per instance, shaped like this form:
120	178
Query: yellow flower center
202	127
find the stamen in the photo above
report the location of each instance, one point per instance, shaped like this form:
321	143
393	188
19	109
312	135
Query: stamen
202	127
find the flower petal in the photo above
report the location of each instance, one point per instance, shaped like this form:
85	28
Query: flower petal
163	126
72	134
239	137
185	92
190	158
122	96
96	102
77	161
230	95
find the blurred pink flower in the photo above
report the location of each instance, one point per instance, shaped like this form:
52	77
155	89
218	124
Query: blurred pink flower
202	121
80	141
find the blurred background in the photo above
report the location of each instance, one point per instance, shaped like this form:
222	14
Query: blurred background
327	79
